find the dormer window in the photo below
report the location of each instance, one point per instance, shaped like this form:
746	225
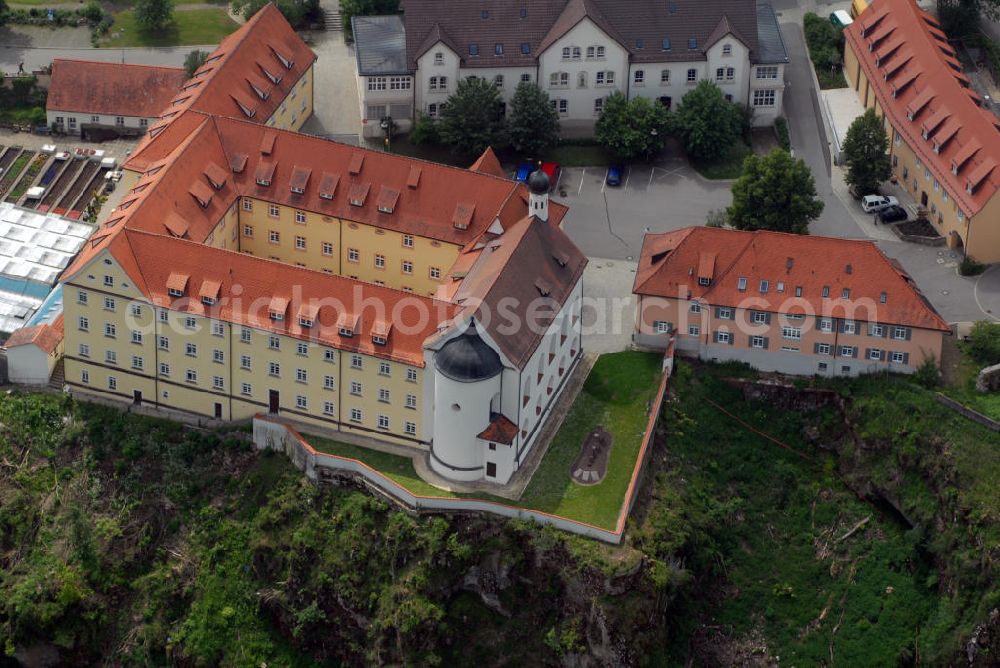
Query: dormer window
265	170
208	301
346	331
704	281
273	78
176	284
288	64
305	322
276	309
378	340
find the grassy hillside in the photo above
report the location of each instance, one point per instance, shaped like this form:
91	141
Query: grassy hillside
861	532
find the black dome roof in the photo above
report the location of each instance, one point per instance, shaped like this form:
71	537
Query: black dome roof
468	358
538	182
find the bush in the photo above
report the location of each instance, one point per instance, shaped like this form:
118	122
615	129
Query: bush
984	342
826	48
928	374
970	267
425	131
781	130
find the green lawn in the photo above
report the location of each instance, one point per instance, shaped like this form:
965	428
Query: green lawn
579	155
616	395
728	166
963	389
195	26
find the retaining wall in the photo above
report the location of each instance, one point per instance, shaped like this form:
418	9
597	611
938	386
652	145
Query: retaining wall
271	433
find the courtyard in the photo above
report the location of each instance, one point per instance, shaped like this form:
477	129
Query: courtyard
617	397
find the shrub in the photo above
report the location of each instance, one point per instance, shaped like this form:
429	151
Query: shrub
969	267
928	374
984	342
425	131
781	130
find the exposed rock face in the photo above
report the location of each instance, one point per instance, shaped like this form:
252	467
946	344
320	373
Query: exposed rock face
988	379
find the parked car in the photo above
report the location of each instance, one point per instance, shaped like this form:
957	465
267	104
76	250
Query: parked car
551	170
614	177
524	170
875	203
892	214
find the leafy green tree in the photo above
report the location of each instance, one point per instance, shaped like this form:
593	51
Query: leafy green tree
533	124
706	123
632	129
351	8
470	120
984	342
299	13
865	153
775	192
425	131
3	12
153	15
193	61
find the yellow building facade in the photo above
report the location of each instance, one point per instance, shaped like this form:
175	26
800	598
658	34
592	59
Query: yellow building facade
127	348
941	142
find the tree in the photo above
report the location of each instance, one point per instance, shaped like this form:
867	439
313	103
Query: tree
3	12
471	120
706	123
865	153
153	15
351	8
193	61
533	124
297	12
984	342
774	192
632	129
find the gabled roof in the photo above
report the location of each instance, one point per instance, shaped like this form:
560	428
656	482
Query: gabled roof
112	89
531	264
642	28
46	337
488	163
723	28
264	48
671	264
917	79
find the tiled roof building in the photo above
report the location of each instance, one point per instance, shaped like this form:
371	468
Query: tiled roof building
578	51
85	92
945	144
250	268
783	302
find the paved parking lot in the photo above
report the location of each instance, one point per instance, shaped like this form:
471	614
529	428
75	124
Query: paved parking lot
609	222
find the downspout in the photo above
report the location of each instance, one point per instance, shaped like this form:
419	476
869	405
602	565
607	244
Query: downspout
156	357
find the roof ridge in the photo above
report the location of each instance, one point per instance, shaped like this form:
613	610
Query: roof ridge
132	231
111	64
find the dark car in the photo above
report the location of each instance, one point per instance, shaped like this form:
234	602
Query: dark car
892	214
614	177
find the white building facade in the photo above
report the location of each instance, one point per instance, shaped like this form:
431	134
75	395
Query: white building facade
590	49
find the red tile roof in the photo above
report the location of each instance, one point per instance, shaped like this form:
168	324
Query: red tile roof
112	89
46	337
488	164
671	265
920	85
248	75
266	286
499	430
